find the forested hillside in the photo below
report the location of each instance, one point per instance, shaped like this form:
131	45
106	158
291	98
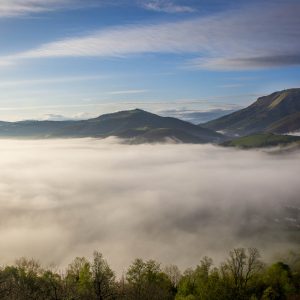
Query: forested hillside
243	275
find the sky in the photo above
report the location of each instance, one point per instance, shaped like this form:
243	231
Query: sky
81	58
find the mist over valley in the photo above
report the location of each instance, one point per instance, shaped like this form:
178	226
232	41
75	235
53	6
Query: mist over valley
64	198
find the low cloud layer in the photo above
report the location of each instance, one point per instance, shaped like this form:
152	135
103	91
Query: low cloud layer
174	203
197	117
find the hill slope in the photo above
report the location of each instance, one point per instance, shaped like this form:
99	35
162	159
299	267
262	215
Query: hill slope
276	113
136	125
262	140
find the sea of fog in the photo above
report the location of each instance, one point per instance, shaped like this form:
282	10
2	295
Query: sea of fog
174	203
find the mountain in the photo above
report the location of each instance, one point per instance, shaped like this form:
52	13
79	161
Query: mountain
276	113
137	126
263	140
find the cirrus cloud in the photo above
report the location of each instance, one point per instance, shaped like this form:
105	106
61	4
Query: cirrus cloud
246	38
11	8
167	7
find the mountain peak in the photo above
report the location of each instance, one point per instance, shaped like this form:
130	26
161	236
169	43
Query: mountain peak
138	110
277	98
134	125
278	112
123	114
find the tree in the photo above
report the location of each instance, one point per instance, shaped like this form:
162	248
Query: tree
240	268
187	285
243	276
51	286
203	283
278	279
79	279
174	275
147	281
103	278
136	278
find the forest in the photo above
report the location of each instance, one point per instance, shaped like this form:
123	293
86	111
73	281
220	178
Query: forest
243	275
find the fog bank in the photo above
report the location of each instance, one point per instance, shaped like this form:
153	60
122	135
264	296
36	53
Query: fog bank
174	203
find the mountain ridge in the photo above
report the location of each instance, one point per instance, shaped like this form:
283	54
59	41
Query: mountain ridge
135	125
278	113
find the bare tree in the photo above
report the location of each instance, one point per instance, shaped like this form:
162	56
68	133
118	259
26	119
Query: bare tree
241	266
173	273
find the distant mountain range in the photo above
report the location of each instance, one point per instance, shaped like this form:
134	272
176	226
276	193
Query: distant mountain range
136	126
277	113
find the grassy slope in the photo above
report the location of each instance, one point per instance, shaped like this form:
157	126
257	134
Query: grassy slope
262	140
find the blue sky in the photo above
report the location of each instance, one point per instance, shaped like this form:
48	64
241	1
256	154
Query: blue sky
82	58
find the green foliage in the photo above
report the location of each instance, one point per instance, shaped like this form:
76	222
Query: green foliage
242	276
270	294
78	279
147	281
202	283
262	140
103	278
279	280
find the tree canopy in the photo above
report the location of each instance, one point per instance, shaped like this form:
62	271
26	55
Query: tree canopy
243	275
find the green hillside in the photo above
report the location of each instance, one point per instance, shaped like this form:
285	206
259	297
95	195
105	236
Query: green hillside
262	140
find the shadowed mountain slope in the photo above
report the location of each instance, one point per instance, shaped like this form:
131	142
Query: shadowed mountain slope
135	125
276	113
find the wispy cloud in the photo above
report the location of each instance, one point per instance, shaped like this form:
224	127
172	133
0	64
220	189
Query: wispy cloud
241	63
35	81
127	92
199	116
9	8
14	8
252	37
231	85
167	6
